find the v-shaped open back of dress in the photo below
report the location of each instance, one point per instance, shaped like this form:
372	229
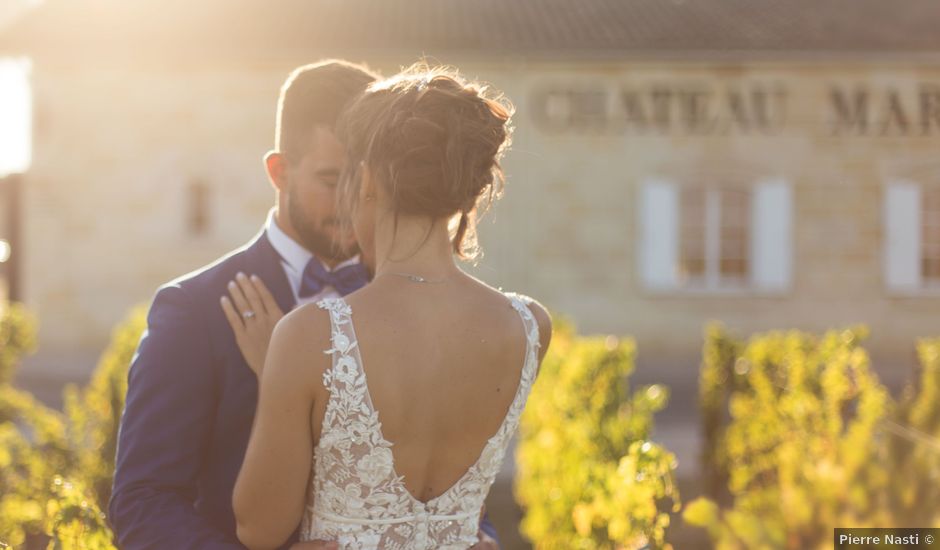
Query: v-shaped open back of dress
357	497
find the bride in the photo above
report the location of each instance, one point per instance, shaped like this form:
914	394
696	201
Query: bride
407	392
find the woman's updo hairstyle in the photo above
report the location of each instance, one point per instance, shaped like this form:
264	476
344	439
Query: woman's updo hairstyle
433	140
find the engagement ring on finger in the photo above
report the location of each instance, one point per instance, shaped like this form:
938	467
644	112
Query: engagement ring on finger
248	314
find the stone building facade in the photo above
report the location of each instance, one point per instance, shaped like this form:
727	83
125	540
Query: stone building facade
770	174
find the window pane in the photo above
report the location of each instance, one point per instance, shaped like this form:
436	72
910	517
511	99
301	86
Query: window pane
931	200
931	268
692	237
734	263
198	214
692	269
734	249
930	234
735	208
733	269
715	236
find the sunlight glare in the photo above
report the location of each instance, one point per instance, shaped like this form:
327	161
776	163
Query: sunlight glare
15	116
5	251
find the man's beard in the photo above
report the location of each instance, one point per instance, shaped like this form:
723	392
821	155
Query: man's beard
312	237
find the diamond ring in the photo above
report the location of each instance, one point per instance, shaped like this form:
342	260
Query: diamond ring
248	314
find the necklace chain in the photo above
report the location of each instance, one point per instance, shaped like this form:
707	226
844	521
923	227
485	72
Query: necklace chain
418	279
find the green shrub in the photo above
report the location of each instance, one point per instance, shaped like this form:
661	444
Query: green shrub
55	469
39	509
914	448
75	521
803	450
17	338
716	381
588	477
94	412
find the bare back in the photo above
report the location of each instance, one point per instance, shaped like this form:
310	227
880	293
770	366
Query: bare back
442	371
426	388
442	366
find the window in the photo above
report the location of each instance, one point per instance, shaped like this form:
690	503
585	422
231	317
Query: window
912	236
714	237
930	237
198	211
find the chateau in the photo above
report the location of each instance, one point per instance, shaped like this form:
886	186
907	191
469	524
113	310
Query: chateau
770	165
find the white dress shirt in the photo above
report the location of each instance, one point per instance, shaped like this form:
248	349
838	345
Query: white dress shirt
294	260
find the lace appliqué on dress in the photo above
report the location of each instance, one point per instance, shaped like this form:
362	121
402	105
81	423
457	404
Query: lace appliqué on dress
355	495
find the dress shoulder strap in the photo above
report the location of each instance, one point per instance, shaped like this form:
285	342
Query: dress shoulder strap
521	304
342	339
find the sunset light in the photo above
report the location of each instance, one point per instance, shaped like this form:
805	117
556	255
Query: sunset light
545	274
15	116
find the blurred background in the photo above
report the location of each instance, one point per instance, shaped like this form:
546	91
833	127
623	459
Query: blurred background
766	163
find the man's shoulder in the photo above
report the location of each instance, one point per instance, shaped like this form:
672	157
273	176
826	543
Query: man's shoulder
212	278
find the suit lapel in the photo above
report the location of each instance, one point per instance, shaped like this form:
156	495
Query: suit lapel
265	262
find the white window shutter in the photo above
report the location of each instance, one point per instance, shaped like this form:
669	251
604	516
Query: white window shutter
902	225
658	216
772	235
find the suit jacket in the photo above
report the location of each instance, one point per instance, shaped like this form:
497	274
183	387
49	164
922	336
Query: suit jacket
191	401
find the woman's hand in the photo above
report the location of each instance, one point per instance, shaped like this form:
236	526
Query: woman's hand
252	312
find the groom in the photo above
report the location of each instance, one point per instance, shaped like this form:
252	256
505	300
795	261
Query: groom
191	396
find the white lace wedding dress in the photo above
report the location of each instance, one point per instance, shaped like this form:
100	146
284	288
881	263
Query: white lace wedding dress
356	497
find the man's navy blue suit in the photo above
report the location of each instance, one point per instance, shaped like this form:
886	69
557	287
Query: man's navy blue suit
190	405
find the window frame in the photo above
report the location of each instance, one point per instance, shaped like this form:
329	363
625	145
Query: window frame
756	283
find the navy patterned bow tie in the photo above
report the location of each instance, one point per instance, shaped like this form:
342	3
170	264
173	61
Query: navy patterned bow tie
345	279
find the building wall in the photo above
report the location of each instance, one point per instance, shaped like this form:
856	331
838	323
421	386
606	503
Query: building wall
576	193
107	198
118	149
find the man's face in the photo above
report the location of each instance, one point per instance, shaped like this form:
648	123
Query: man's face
311	198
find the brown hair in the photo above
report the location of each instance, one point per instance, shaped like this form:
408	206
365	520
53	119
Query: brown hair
434	141
314	95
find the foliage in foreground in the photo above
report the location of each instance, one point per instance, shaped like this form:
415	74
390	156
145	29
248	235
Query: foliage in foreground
806	439
94	412
800	436
914	448
55	468
588	475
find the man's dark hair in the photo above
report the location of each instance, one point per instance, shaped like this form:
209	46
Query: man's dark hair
314	95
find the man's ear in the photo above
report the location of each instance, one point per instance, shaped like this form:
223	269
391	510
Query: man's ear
275	164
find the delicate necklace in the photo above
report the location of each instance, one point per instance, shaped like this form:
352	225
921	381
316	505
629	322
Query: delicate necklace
418	278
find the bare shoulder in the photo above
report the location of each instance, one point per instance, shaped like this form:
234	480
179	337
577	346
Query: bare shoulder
299	340
542	317
305	328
